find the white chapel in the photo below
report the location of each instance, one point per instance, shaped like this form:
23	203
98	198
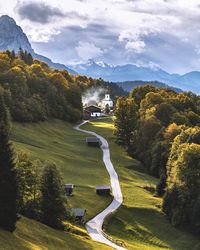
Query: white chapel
107	101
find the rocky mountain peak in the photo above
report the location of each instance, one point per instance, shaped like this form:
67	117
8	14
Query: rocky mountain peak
7	20
12	36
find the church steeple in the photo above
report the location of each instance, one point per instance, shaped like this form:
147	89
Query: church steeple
107	101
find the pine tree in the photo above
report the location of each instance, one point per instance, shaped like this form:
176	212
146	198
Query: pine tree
21	54
52	201
29	59
8	180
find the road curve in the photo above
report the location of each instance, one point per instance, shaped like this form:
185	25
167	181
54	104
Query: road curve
94	226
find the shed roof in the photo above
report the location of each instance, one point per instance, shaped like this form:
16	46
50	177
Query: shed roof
78	211
69	185
102	187
92	139
93	108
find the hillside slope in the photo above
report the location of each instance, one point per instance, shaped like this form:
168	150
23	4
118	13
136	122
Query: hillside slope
58	142
32	235
139	221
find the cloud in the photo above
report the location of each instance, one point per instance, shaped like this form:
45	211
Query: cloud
38	12
44	36
135	46
87	50
164	32
132	40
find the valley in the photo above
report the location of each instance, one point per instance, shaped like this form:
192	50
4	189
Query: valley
138	222
99	125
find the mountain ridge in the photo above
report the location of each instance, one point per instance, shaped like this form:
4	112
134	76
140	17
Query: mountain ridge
129	72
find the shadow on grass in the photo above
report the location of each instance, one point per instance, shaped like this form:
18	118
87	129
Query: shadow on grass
149	227
137	167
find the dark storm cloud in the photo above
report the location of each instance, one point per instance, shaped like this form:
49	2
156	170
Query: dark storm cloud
38	12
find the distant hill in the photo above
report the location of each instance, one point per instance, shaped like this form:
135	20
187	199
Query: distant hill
131	72
129	85
190	81
12	37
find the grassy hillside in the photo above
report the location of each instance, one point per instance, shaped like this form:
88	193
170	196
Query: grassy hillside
59	142
31	235
139	222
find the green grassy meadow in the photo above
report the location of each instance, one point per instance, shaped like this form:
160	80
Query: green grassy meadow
139	221
79	164
32	235
57	141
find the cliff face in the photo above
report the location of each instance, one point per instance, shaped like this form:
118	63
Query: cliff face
12	37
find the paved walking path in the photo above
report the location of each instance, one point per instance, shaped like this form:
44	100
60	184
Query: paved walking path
94	226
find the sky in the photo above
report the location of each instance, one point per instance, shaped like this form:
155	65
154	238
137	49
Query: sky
151	33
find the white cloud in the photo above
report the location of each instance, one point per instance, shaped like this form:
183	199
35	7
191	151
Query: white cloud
153	29
40	35
135	46
87	50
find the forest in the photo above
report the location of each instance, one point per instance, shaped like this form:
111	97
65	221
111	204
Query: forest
31	91
160	127
35	92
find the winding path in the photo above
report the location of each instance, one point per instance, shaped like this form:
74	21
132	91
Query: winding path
94	226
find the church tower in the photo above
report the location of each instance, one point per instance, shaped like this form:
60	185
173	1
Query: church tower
107	101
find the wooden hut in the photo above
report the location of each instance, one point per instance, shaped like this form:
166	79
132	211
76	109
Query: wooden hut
78	213
93	141
103	190
69	189
93	110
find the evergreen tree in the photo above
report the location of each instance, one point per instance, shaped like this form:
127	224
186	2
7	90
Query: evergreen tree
21	54
107	109
52	197
29	59
8	180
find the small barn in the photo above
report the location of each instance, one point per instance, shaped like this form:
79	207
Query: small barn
78	213
69	189
93	141
103	190
93	110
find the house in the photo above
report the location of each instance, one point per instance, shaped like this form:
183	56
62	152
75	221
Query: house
107	101
93	141
78	213
103	190
69	189
93	110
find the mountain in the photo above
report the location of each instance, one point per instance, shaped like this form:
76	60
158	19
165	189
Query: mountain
190	81
120	73
12	37
129	85
131	72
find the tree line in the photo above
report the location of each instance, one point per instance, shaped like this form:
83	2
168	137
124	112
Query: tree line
34	92
160	128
